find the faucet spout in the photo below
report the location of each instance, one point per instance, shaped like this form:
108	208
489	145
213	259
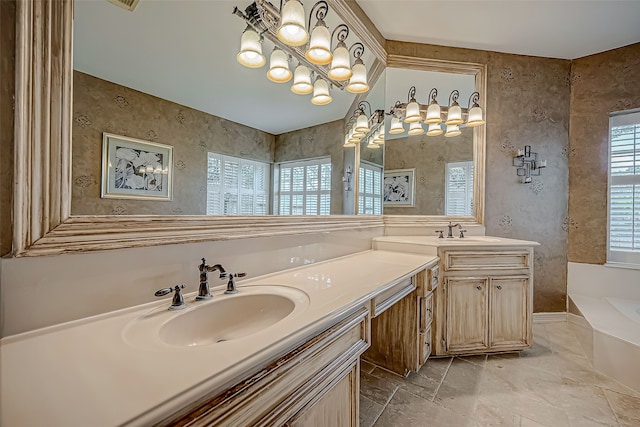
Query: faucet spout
203	290
451	226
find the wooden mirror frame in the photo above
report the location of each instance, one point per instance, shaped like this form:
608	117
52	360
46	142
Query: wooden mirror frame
42	220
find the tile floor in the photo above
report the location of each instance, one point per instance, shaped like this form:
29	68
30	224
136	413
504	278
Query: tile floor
550	385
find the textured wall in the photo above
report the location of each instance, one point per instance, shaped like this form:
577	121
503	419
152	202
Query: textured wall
601	84
100	106
317	141
7	88
429	156
527	103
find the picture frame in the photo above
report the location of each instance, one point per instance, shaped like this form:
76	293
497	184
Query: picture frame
136	169
399	188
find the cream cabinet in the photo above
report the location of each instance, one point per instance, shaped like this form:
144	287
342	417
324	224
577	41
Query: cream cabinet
401	337
313	385
485	301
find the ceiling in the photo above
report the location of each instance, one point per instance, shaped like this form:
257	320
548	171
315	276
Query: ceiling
565	29
184	50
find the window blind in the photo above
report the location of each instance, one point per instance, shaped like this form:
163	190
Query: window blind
304	187
624	188
369	189
459	188
237	186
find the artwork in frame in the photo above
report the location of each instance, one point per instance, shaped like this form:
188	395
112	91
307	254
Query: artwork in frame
399	187
136	169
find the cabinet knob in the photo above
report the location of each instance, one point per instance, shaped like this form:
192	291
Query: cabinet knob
499	287
479	287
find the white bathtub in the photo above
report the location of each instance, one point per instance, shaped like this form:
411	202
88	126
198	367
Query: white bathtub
609	328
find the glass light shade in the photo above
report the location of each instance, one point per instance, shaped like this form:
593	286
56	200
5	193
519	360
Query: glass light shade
475	116
378	138
348	142
372	144
412	114
433	114
302	81
416	128
358	82
340	65
362	124
434	129
396	126
452	130
279	67
353	139
292	30
319	51
357	133
454	115
250	54
321	93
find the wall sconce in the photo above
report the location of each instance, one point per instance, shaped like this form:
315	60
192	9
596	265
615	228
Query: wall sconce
528	164
291	34
347	179
441	119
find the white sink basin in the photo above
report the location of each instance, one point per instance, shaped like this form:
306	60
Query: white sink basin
223	318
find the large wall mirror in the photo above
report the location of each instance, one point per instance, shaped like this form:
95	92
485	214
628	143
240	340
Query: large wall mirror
50	216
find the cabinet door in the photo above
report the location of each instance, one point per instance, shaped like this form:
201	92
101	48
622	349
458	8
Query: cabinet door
338	406
509	313
466	317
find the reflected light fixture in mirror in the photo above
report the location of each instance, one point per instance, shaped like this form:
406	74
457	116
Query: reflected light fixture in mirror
434	115
287	31
361	125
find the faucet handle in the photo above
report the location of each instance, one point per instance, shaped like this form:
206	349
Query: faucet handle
231	285
440	236
462	233
177	303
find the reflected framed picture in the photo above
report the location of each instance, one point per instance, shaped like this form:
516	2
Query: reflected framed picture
399	187
136	169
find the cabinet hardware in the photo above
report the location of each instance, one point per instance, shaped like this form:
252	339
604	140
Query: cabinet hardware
479	287
499	287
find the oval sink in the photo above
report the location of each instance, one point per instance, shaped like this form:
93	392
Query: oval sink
226	319
223	318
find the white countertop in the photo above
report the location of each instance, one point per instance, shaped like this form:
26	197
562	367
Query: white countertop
428	245
86	373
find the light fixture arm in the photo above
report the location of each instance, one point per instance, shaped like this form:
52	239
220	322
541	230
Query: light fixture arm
361	106
411	96
433	95
475	97
321	9
357	49
341	32
453	98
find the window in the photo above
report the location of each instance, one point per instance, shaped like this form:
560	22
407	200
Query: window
459	188
624	188
237	186
304	187
370	189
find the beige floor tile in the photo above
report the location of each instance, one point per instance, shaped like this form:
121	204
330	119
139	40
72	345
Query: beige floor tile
480	359
587	422
420	386
377	389
490	415
586	402
366	367
436	368
407	410
608	383
510	402
460	388
369	411
526	422
626	408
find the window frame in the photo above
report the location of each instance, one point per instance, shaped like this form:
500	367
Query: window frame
305	163
361	193
469	177
620	257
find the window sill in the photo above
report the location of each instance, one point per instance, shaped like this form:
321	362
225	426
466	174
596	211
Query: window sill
626	266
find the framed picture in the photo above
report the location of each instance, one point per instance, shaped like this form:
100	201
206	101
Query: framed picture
136	169
399	187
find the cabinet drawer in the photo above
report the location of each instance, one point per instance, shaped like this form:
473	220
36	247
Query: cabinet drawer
386	299
504	260
434	277
426	312
427	280
425	346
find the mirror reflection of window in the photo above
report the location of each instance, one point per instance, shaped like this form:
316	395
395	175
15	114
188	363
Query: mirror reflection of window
237	186
369	189
304	187
459	188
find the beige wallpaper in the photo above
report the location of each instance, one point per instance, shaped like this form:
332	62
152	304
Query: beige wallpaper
101	106
527	103
601	84
429	156
317	141
7	88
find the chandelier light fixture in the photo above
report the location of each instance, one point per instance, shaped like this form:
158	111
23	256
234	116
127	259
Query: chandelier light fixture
368	127
287	28
448	120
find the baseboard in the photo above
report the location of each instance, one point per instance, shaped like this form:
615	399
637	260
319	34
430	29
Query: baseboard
577	320
549	317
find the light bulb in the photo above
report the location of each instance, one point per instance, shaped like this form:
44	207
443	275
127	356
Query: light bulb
416	128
